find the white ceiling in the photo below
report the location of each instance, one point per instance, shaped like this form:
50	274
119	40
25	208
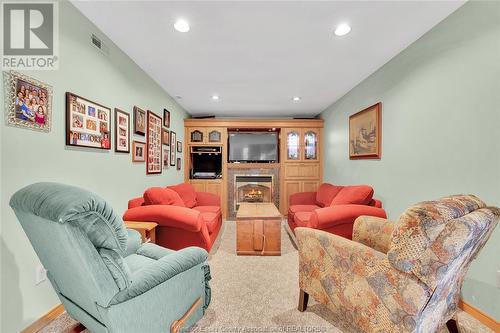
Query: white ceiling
257	55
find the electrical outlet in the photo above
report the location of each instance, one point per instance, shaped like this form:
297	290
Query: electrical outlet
498	279
40	274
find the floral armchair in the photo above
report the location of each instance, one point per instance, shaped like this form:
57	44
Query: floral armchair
402	276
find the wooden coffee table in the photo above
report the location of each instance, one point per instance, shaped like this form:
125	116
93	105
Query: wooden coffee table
258	229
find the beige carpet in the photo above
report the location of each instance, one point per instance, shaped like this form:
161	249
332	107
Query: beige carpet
260	294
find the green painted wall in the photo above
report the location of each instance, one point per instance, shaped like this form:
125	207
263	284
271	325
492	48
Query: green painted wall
440	128
27	156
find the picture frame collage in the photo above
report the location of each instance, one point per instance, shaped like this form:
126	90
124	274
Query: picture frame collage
28	104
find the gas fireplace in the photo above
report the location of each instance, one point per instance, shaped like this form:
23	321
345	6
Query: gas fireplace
255	188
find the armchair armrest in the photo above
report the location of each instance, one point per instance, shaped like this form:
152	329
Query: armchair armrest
308	238
374	232
134	242
207	199
302	198
160	271
328	217
349	275
135	202
167	216
375	203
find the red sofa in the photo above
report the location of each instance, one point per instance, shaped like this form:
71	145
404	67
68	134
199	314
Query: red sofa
333	208
185	217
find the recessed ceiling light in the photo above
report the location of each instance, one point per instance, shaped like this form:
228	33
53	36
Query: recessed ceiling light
215	97
342	29
296	98
181	25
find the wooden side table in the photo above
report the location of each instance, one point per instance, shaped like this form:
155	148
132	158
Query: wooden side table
146	229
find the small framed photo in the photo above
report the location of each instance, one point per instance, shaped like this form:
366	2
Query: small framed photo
165	138
122	131
178	163
88	124
179	147
173	139
166	155
139	121
28	102
166	118
138	149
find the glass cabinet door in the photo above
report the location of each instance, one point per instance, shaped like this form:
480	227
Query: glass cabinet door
310	145
292	145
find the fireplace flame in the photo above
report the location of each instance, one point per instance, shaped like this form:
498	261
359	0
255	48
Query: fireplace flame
253	194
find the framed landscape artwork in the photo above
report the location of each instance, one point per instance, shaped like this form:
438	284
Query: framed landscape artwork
122	131
138	150
88	124
153	161
166	118
365	133
165	139
139	121
28	102
173	138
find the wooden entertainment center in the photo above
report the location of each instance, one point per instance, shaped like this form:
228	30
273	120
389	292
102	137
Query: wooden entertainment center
298	169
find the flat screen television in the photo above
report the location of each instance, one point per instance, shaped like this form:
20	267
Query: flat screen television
253	147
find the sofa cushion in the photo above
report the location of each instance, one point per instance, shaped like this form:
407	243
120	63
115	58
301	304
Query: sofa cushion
136	262
356	195
325	194
162	196
186	192
211	220
136	202
208	209
301	219
302	208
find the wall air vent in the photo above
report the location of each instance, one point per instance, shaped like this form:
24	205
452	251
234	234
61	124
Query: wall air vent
97	42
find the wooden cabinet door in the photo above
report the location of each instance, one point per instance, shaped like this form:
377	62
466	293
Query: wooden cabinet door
292	142
290	187
214	187
310	145
310	186
292	170
301	170
309	170
199	185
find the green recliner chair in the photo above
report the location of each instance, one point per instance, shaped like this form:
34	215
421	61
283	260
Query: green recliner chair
105	277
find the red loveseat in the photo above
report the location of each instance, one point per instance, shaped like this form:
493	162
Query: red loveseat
333	208
185	217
